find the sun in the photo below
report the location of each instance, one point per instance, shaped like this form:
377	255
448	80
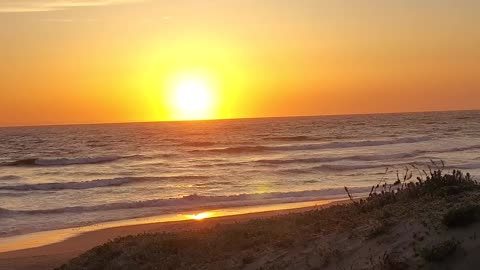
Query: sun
192	98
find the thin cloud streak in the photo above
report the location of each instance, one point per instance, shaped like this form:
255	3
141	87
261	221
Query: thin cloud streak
12	6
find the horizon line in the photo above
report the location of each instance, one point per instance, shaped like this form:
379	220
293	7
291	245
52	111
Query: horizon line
230	119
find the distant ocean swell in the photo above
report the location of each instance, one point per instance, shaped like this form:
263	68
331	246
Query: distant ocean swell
470	166
64	161
195	201
318	146
412	154
366	158
97	183
52	162
45	162
337	168
120	181
290	138
332	159
9	177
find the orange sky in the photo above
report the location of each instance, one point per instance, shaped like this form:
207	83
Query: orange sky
110	61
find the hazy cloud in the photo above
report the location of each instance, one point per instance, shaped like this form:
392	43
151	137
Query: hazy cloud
49	5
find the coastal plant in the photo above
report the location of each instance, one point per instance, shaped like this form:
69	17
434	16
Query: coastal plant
378	229
462	216
388	261
435	183
441	251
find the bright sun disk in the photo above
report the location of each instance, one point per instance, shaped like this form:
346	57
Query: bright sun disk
192	99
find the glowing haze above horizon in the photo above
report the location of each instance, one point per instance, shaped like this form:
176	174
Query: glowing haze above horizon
94	61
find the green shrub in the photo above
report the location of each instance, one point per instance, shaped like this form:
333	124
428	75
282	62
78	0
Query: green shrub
441	251
378	229
435	184
462	216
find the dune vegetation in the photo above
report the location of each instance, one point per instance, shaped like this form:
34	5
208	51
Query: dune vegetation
426	223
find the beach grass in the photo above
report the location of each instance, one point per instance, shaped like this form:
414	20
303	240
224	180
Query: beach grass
428	223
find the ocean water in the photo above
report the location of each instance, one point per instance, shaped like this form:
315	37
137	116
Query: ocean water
69	176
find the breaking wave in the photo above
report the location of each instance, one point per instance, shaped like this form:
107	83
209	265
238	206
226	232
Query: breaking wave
471	166
95	183
458	149
9	177
332	159
237	149
197	144
305	147
193	201
63	161
335	168
290	138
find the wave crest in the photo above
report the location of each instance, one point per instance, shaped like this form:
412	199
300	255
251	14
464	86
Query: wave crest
236	149
334	168
94	183
290	138
306	147
197	144
193	201
9	177
63	161
332	159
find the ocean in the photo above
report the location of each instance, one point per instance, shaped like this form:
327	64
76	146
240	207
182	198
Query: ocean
56	177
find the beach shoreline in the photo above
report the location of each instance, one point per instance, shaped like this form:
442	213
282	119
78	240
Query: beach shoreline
59	252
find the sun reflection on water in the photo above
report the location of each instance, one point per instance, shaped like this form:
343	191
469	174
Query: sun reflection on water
200	216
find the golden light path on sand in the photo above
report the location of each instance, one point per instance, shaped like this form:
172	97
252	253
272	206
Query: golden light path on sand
39	239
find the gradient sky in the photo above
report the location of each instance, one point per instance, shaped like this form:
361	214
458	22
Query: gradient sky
91	61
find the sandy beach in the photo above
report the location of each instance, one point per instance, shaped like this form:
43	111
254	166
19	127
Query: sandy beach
54	255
